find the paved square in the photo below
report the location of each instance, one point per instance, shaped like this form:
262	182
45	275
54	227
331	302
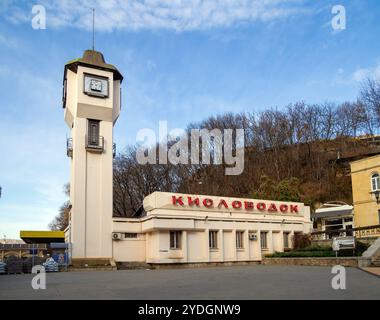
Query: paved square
248	282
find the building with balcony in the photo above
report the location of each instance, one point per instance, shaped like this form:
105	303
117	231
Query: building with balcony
365	174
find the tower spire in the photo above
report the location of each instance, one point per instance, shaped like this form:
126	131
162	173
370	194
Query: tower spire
93	29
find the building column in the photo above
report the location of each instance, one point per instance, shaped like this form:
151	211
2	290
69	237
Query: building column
221	247
207	247
234	243
282	249
259	244
184	246
246	245
270	242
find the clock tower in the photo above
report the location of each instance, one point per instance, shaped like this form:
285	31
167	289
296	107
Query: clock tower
91	102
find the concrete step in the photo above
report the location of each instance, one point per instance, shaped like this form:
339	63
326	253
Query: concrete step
91	263
75	269
132	265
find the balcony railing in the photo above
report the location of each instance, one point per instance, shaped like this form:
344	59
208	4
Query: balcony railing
69	147
95	146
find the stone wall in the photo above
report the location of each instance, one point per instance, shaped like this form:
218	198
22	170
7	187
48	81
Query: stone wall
325	262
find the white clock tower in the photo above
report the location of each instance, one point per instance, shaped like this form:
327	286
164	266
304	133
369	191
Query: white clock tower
91	101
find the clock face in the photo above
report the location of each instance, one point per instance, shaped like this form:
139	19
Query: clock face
96	86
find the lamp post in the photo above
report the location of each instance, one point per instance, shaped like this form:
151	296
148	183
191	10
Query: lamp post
377	196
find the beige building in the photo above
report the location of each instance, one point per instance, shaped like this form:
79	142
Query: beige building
179	228
365	175
171	228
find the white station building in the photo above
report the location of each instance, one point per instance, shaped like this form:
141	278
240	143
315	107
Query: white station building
170	228
179	228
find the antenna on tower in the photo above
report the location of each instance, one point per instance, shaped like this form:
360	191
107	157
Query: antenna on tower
93	29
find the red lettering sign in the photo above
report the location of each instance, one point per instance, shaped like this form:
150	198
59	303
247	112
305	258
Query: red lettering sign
261	206
248	205
193	202
223	203
208	203
272	208
177	200
236	204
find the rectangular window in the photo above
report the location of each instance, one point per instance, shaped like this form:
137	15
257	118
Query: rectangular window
175	239
93	134
213	239
239	239
264	240
286	240
130	235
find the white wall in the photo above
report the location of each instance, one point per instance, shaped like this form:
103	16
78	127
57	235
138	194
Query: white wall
195	226
130	250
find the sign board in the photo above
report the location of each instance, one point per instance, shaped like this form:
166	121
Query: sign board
342	243
60	258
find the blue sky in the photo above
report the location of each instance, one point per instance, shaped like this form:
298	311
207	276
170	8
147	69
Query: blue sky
182	60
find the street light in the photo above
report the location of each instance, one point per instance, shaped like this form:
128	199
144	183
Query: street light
376	193
377	196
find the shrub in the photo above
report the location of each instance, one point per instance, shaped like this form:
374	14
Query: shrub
301	241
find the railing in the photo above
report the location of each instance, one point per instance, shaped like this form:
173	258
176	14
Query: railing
361	232
69	147
95	146
9	246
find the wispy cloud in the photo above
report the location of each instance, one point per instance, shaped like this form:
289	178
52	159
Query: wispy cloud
364	73
178	15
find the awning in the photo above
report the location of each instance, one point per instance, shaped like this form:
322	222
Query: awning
42	236
332	212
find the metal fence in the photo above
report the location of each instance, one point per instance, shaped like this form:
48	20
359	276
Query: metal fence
360	232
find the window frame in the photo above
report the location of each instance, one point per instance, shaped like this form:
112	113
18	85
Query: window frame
213	239
375	182
175	240
240	240
264	240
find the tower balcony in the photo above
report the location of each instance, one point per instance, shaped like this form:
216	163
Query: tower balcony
95	145
69	147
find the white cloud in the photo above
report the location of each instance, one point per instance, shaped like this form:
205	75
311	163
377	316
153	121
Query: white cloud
179	15
364	73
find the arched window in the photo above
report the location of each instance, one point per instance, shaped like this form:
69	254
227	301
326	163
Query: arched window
375	182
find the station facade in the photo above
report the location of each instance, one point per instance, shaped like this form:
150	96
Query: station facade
179	228
172	228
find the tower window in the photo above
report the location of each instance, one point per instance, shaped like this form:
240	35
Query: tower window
375	182
93	132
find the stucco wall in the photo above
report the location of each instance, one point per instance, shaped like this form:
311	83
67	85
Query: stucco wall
365	206
195	225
